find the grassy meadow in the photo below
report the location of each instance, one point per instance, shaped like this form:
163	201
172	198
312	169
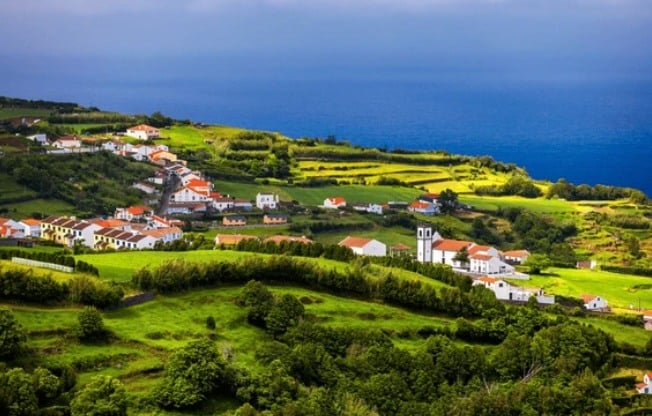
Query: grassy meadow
619	290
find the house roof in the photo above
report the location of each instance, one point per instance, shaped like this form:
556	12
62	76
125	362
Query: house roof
648	374
162	232
587	298
400	247
420	205
279	216
233	239
337	200
142	127
111	223
68	139
516	253
280	238
235	218
138	209
640	385
31	221
488	279
354	242
478	249
484	257
450	245
647	313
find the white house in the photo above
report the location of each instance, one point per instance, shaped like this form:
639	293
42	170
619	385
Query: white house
364	246
510	292
143	132
334	202
370	208
40	138
68	231
242	204
266	200
594	303
11	228
67	142
223	203
429	198
165	235
425	208
31	227
516	256
646	386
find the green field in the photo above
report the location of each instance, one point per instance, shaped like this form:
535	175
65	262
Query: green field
43	207
17	112
38	271
619	290
538	205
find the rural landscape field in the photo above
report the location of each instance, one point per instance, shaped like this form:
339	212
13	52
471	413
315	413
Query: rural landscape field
197	327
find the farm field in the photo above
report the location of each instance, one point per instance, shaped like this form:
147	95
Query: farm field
29	112
538	205
619	290
43	207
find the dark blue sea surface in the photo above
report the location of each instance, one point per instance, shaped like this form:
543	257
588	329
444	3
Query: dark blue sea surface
586	128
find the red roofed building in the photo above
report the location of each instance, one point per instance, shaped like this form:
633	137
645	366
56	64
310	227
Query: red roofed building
143	132
133	213
646	386
289	238
594	303
334	202
364	246
425	208
516	256
232	239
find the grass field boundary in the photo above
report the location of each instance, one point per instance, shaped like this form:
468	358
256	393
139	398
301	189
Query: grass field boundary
43	264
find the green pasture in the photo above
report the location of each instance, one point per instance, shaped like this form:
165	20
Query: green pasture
620	290
44	207
28	112
538	205
10	190
82	127
636	336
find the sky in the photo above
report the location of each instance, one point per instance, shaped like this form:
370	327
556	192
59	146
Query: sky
488	34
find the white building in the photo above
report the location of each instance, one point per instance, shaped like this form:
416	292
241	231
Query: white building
67	142
143	132
266	200
370	208
516	256
425	208
364	246
646	386
40	138
334	202
431	247
510	292
31	227
594	303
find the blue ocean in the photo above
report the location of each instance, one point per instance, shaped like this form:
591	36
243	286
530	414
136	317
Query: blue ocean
586	128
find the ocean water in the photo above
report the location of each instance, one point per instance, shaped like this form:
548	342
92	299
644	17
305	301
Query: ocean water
584	128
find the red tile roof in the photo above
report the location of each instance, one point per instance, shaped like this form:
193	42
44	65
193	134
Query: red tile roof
587	298
483	257
354	242
400	247
450	245
476	249
420	205
232	239
516	253
337	200
280	238
31	221
142	127
488	279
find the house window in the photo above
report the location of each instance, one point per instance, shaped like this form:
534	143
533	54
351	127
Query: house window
500	285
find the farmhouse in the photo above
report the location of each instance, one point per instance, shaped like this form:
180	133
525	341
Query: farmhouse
429	198
516	256
334	202
40	138
67	142
646	386
425	208
234	220
370	208
594	303
275	219
143	132
510	292
232	239
364	246
289	238
266	200
133	213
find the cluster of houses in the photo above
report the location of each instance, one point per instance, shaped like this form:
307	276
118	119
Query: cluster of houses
98	233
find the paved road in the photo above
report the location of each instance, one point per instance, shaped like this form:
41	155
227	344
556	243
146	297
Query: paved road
171	185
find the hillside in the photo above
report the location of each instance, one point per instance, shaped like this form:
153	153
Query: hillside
195	328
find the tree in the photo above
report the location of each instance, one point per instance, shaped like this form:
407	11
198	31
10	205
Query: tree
462	256
12	335
286	313
103	396
447	201
192	372
91	326
537	263
17	396
46	385
259	298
